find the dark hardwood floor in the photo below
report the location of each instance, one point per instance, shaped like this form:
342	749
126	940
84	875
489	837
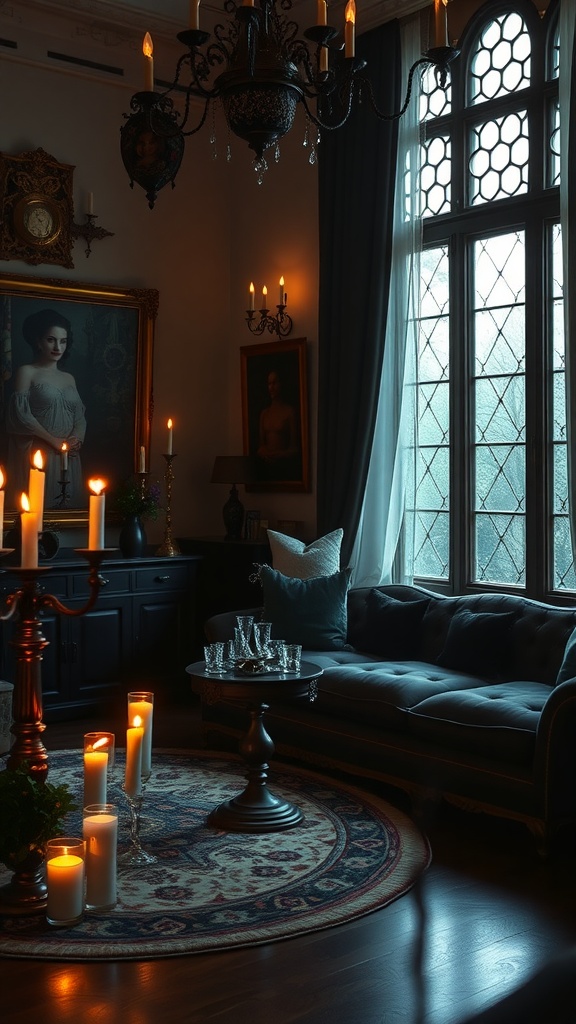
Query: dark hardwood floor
487	915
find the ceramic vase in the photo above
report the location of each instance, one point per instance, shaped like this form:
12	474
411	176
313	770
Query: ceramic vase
132	539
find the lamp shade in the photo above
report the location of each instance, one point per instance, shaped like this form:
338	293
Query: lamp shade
232	469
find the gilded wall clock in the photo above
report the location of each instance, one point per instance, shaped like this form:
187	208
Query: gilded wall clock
36	209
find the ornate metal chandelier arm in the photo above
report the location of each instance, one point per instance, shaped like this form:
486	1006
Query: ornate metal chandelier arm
325	125
366	88
192	131
95	582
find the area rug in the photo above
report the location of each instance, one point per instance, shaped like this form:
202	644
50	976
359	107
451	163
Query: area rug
211	890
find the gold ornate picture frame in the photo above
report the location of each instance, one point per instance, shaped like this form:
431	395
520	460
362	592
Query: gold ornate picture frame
111	361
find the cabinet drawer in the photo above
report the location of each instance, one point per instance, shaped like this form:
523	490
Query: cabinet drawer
162	577
117	581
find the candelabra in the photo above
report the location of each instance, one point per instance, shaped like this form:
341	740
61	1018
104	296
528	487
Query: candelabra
279	323
27	889
89	232
168	547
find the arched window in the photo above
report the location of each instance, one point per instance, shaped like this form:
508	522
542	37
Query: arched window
492	496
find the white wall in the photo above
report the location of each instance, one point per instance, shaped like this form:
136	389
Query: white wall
200	246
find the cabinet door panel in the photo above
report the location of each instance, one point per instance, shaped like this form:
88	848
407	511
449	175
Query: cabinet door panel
100	648
157	648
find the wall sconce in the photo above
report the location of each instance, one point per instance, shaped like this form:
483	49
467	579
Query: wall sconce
279	323
88	231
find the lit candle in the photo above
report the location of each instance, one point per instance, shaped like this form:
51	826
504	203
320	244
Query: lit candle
141	709
142	459
96	517
440	23
195	14
29	533
321	12
281	283
64	457
148	50
90	203
2	482
170	438
100	831
95	771
264	297
349	29
36	483
251	290
65	884
133	775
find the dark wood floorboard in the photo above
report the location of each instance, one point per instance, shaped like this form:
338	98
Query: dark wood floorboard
487	914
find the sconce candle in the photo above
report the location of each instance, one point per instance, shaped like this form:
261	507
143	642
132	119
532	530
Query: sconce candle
251	290
350	29
29	532
440	23
170	438
36	483
148	50
96	519
281	298
64	457
264	297
2	482
141	709
133	775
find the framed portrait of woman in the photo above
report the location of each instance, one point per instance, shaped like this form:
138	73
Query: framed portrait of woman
275	414
76	383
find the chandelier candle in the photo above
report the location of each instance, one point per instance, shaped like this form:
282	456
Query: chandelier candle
98	758
100	830
195	14
350	29
96	519
440	23
148	50
141	708
251	293
133	776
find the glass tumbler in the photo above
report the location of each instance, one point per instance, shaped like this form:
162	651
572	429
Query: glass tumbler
292	657
214	657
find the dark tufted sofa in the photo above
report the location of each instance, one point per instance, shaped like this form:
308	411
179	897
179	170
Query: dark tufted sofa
471	698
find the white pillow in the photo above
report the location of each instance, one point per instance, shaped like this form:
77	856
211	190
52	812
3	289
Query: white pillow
302	561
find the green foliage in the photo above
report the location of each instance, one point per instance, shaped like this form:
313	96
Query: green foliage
131	500
31	812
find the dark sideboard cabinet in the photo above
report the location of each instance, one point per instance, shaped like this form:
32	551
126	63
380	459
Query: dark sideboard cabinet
140	632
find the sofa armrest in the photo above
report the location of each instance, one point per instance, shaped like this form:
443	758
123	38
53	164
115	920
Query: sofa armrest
221	627
555	756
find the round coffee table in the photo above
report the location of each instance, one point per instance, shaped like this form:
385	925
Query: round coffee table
256	809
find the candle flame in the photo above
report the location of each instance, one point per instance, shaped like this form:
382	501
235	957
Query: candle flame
137	722
281	281
2	478
97	486
64	447
38	460
24	502
169	424
147	45
350	13
102	742
252	287
264	290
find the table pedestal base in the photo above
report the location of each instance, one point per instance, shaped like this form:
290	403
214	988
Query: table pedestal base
256	809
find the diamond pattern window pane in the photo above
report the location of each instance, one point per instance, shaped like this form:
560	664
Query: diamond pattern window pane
500	410
433	413
499	274
499	340
498	161
501	62
433	467
500	478
564	572
432	545
500	546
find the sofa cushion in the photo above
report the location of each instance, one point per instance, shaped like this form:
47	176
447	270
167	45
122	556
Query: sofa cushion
479	643
499	720
309	612
391	628
568	667
294	558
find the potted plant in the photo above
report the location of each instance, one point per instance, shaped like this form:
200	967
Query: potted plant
31	812
136	502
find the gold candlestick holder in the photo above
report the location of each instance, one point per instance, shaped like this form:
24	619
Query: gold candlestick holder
26	892
169	547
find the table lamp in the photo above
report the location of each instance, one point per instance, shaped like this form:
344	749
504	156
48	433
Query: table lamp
233	469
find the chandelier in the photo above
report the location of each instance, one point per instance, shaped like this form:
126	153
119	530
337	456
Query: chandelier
259	68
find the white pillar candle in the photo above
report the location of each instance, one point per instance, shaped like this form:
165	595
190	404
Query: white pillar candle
170	437
65	884
97	513
36	483
95	773
141	707
133	775
29	535
100	830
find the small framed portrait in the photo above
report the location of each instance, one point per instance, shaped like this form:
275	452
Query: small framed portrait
76	371
275	414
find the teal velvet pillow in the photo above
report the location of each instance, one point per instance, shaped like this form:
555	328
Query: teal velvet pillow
309	612
392	628
568	667
479	643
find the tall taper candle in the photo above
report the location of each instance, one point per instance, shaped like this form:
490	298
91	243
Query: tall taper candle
148	50
170	438
97	513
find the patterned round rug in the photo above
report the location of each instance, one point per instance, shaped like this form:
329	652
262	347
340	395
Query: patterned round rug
209	890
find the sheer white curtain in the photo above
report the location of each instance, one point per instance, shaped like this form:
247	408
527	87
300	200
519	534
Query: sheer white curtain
567	95
384	545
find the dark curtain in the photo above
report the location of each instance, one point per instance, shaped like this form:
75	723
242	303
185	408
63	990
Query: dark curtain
357	167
